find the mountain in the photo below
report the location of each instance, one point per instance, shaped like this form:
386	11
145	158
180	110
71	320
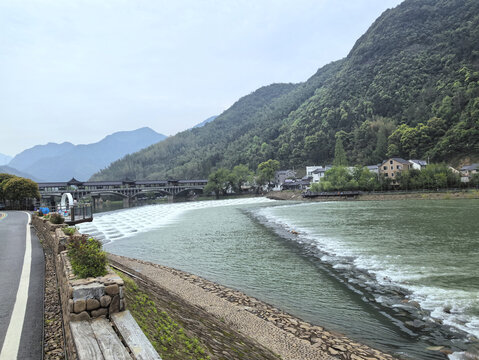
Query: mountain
4	159
61	162
409	87
12	171
203	123
27	158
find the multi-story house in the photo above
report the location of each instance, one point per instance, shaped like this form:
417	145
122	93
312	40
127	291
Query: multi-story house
390	168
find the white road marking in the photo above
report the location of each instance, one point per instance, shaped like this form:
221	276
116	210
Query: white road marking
14	331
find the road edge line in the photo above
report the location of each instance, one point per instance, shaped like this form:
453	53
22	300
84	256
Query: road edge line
11	343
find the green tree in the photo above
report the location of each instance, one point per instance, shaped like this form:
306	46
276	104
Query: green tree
474	181
365	179
316	147
18	190
218	182
339	153
3	181
337	178
409	180
266	171
240	175
381	146
434	176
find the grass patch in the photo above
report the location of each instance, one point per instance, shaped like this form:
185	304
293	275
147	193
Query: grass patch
166	336
69	230
447	196
474	194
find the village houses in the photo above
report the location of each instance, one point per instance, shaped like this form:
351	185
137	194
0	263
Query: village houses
389	169
467	171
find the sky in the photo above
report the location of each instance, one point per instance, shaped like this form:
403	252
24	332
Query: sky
79	70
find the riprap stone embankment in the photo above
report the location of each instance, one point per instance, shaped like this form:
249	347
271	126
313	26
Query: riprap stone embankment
283	334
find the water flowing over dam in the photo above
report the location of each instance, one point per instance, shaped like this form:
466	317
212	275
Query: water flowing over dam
400	276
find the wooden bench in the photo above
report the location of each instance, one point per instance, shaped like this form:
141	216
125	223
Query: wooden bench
96	340
134	337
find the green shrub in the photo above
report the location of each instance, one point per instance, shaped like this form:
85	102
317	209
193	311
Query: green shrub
39	213
87	257
56	218
69	230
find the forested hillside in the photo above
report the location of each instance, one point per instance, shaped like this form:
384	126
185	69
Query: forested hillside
409	88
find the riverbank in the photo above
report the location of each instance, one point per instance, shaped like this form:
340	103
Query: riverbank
241	316
440	195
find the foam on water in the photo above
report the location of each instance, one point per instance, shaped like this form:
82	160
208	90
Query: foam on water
447	306
119	224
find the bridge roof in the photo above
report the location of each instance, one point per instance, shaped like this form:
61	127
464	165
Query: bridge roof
74	181
52	184
150	182
102	183
115	183
192	181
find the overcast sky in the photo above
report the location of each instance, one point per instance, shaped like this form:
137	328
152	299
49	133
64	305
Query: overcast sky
80	70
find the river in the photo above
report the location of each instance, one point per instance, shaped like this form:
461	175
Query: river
401	276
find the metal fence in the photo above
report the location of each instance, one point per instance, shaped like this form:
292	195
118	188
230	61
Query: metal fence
74	214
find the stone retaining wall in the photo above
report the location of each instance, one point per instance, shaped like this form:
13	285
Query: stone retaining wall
91	297
81	299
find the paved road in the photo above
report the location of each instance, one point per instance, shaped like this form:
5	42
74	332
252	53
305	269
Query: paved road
21	288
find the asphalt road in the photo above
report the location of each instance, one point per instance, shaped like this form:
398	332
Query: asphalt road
21	288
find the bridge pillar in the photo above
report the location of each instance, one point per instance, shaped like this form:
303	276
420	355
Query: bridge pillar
97	202
126	202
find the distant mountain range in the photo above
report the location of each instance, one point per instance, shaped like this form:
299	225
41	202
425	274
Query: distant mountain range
61	162
9	170
4	159
408	88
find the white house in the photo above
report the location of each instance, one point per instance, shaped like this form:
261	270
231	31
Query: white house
318	174
374	168
467	171
310	169
418	164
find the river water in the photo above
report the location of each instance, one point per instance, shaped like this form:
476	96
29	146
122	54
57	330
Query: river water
401	276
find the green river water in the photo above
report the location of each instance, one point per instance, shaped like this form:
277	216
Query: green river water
401	276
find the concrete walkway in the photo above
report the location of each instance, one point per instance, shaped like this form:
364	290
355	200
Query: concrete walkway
21	288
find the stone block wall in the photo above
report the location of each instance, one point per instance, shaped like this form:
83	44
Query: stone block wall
81	299
51	234
92	297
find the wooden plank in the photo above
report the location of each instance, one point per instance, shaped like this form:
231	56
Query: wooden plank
110	344
138	343
85	341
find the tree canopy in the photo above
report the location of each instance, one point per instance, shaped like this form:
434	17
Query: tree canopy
266	171
218	182
432	177
339	153
17	189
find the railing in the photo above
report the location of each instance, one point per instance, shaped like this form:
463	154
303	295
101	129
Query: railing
312	194
74	214
80	212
